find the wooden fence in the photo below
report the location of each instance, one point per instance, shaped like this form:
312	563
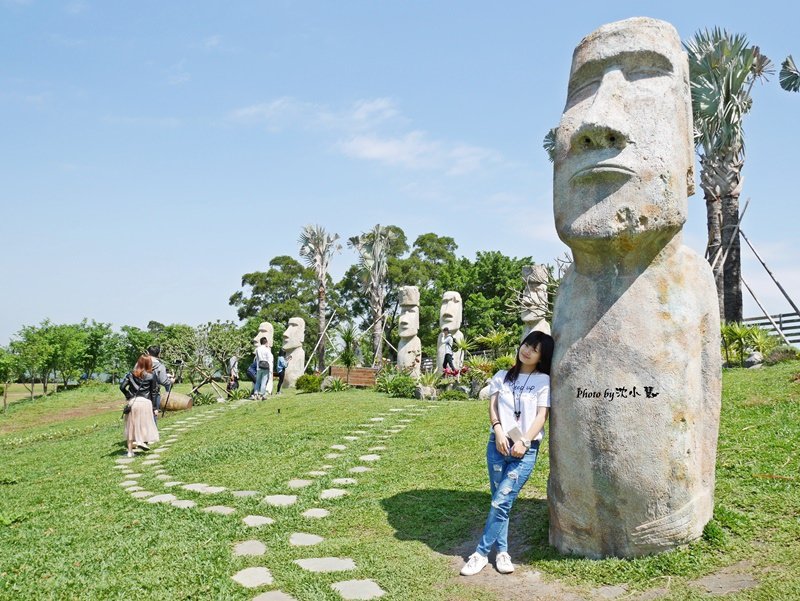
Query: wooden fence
788	323
361	377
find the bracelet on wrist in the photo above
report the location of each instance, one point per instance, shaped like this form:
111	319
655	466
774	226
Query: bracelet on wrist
495	424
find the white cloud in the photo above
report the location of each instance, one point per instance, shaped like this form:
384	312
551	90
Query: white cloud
161	122
411	150
177	74
76	7
212	42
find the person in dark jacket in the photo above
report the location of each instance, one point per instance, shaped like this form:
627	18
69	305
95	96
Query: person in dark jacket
160	374
140	387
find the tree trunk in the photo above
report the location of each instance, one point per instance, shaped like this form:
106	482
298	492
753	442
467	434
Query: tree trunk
377	342
714	225
321	319
732	269
5	396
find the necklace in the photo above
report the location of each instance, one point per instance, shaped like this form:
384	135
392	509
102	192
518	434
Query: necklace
518	397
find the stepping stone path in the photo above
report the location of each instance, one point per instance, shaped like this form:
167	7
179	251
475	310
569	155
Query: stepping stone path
253	577
250	548
358	589
301	539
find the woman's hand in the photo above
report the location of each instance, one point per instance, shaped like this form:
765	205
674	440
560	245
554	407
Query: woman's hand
500	441
518	450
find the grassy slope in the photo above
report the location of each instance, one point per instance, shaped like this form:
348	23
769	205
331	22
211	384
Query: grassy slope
67	531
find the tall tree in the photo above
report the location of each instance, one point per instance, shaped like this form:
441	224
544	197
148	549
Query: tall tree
373	248
723	69
317	247
9	370
789	77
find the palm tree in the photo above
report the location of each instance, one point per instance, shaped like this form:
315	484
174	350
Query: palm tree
789	76
372	248
723	69
317	247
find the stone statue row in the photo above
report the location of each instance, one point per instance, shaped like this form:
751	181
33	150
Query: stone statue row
293	338
533	307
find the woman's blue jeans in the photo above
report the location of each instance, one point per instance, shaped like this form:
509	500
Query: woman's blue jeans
507	476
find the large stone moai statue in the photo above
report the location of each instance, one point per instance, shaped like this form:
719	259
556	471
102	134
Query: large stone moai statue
293	339
265	330
636	370
409	350
534	300
450	317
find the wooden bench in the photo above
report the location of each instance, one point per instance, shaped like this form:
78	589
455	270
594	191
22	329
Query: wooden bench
360	377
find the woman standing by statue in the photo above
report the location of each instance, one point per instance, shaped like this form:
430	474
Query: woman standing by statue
518	408
140	388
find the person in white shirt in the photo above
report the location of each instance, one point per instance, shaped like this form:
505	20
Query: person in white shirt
264	369
518	407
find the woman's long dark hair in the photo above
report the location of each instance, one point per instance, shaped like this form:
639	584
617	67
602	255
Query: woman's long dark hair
546	345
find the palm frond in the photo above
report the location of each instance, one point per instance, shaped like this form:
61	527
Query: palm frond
549	144
789	77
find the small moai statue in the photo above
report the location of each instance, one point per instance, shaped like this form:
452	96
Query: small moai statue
534	300
293	338
450	314
636	371
265	330
409	349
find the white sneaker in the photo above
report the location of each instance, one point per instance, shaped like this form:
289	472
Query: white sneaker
475	564
130	453
503	563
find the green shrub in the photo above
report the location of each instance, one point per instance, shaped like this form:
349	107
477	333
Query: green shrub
203	398
504	362
309	383
453	395
384	378
782	353
431	379
402	386
238	394
335	385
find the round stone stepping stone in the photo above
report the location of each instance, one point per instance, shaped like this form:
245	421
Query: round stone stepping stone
196	487
220	509
124	460
405	421
332	493
253	577
245	493
183	504
134	489
249	548
133	476
317	473
344	481
360	432
154	456
280	500
163	477
338	447
326	564
326	467
299	483
351	438
377	419
255	521
378	448
173	483
274	596
396	410
302	539
121	466
162	499
212	490
150	462
358	589
127	483
369	457
142	494
359	469
332	456
316	513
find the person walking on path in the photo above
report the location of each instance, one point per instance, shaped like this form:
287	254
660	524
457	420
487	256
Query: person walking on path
140	389
263	370
161	376
280	368
448	350
518	407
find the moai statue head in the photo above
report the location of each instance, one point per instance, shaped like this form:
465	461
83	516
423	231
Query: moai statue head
534	295
409	312
624	151
295	333
265	330
450	311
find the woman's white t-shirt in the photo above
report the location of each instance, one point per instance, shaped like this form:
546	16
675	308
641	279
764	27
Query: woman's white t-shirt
526	395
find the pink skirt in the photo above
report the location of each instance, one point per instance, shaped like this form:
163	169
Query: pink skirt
140	425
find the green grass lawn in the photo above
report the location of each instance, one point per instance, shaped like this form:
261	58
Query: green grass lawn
69	531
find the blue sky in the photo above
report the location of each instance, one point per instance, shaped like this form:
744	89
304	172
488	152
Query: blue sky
153	152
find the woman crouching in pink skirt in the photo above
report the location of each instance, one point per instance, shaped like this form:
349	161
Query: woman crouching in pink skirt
140	388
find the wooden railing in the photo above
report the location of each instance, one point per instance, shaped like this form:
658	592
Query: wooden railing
360	377
788	323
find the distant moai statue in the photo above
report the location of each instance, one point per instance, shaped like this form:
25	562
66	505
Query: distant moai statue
636	370
293	338
409	349
534	300
265	330
450	314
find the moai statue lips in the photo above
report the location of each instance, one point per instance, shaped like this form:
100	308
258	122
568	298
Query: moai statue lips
636	368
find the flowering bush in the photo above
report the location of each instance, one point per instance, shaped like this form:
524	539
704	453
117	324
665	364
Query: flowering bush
454	373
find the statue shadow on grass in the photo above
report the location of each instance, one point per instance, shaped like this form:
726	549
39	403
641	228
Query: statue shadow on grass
450	522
